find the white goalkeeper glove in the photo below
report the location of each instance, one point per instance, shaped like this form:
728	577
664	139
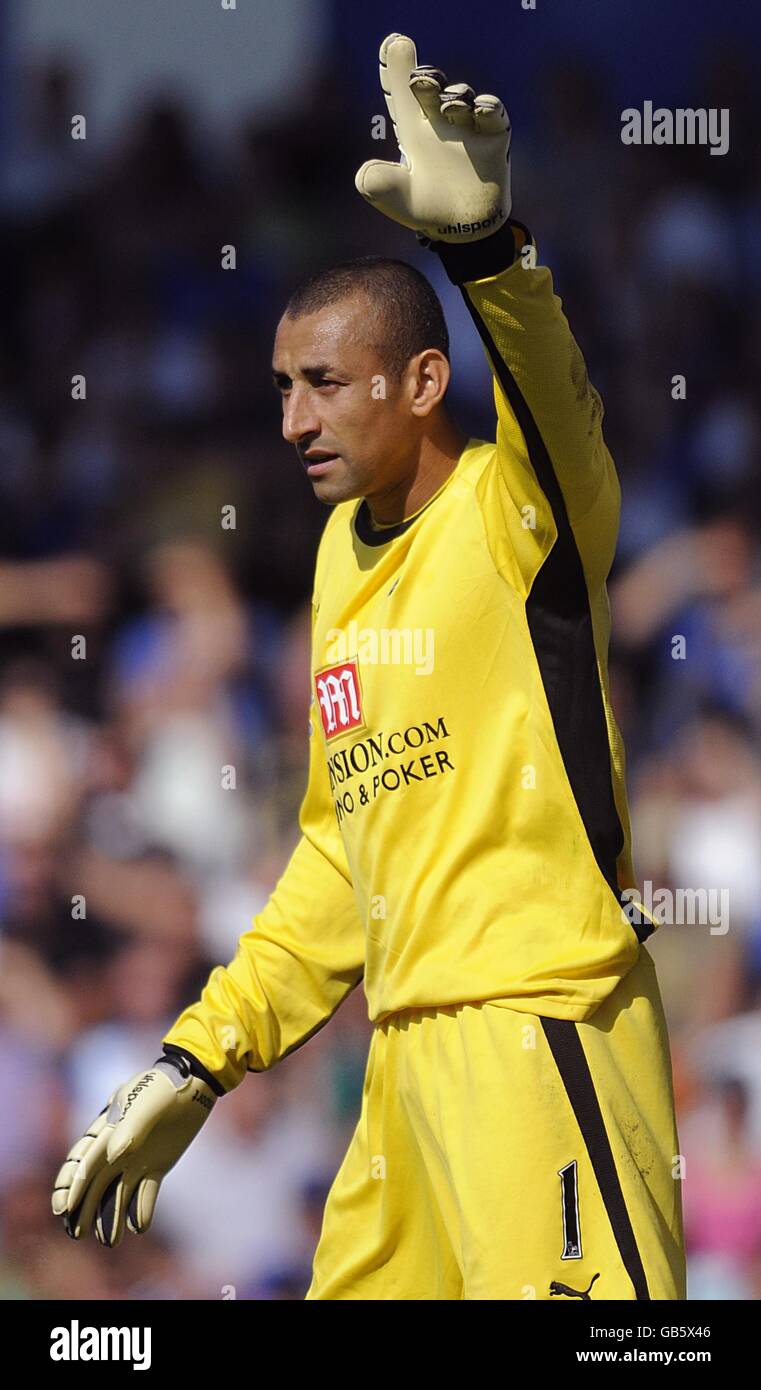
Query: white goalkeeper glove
453	181
111	1177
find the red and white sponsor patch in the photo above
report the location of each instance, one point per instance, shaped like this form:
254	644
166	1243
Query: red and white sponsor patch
339	697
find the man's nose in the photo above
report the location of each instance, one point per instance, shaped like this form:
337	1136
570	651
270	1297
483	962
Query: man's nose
299	417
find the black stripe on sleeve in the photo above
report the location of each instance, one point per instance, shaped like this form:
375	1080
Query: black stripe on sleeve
560	623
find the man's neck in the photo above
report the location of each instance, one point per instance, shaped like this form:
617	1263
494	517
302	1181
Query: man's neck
436	460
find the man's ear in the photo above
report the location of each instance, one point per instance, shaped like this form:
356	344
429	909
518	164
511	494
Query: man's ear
429	374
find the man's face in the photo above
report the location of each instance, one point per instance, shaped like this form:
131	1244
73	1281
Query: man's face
352	440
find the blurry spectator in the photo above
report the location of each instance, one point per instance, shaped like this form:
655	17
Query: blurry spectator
722	1201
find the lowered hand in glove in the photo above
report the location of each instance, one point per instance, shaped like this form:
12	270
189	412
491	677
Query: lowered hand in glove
111	1177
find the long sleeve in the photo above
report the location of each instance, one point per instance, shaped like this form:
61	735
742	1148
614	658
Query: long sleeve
550	445
551	507
302	957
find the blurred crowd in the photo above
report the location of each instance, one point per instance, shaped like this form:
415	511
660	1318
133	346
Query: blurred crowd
145	644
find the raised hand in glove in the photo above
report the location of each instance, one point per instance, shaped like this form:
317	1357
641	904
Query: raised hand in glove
453	181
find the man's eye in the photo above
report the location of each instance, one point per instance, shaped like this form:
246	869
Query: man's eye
283	388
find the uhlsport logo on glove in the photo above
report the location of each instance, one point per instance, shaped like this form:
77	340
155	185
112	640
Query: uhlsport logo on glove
468	228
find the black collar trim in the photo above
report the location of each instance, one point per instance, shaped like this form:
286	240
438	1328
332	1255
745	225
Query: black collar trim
369	536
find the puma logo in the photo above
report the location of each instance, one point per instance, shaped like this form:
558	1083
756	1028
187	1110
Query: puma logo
556	1288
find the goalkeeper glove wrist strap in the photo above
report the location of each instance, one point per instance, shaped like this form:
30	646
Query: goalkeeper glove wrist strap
188	1065
477	260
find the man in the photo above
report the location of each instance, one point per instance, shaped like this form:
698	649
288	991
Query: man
465	836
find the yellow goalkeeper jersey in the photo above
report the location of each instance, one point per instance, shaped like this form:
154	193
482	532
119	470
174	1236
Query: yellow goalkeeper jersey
465	833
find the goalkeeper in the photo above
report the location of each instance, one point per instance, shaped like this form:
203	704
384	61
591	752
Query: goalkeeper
465	843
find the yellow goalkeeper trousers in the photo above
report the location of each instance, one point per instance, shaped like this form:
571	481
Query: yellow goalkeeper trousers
500	1155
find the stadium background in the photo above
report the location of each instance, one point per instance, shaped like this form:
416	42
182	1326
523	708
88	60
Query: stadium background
208	127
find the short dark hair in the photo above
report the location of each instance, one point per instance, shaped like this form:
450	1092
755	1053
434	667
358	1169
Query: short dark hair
408	314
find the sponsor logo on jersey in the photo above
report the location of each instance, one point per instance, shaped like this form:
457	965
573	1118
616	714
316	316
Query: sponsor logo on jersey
339	696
